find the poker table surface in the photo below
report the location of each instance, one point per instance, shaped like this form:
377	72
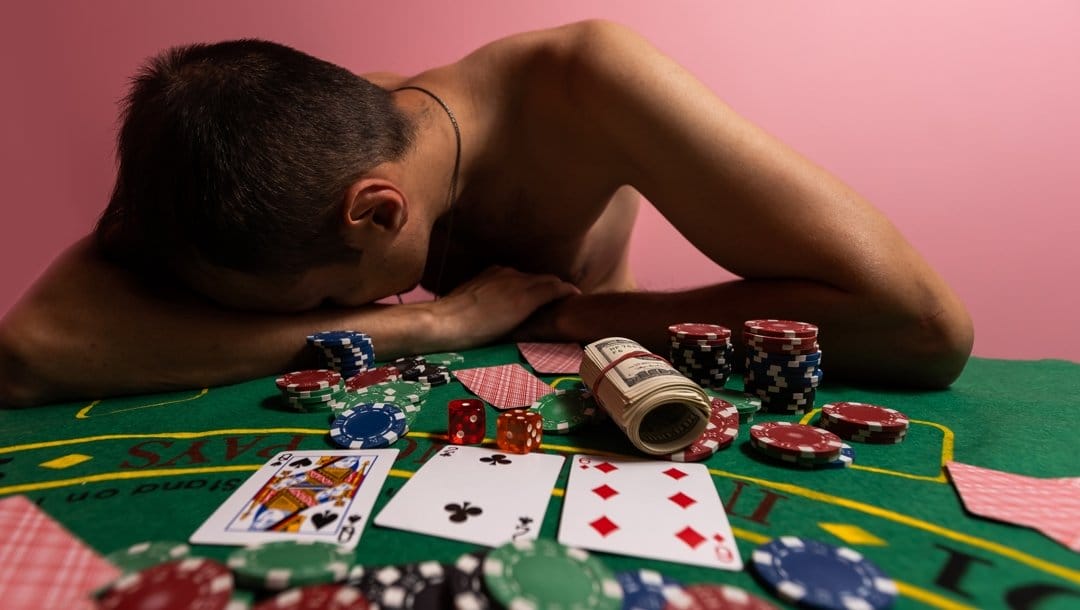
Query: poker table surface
123	470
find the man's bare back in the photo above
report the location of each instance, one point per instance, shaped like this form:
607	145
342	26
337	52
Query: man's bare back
559	128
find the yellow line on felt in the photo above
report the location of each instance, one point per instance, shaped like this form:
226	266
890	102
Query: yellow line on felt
947	443
113	437
125	475
889	515
929	598
84	413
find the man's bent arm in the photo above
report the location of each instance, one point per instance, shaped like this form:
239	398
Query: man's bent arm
89	330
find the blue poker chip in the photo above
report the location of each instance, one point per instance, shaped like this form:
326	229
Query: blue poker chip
819	575
786	359
648	589
369	426
846	459
333	338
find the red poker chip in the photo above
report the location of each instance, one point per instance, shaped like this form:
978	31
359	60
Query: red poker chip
307	381
781	328
317	597
784	349
720	433
871	417
796	439
699	331
184	584
388	372
789	341
718	597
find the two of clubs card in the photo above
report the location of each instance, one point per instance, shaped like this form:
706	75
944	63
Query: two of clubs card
658	510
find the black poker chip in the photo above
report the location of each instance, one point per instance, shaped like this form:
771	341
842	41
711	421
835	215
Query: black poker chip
466	578
408	362
420	585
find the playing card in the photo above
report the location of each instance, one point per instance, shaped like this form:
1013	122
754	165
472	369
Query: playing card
475	495
659	510
553	358
42	565
505	387
1051	506
320	496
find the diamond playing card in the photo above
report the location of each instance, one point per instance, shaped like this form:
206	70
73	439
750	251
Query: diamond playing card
657	510
508	386
475	495
322	496
42	565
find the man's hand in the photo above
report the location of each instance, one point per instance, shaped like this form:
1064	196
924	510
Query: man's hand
493	304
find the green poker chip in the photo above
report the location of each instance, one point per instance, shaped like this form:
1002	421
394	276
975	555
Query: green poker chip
546	575
142	555
276	566
397	392
746	404
564	411
444	359
409	408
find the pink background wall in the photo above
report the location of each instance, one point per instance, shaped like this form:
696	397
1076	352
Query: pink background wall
961	120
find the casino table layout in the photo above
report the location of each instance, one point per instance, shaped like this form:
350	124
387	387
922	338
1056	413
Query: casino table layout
119	471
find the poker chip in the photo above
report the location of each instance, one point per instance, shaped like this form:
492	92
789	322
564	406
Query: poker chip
317	597
818	575
544	574
781	328
175	585
797	440
649	590
444	359
408	407
309	380
397	392
845	460
720	433
433	375
466	580
407	362
346	351
371	377
369	426
721	597
564	411
691	330
142	555
702	353
870	417
275	566
421	586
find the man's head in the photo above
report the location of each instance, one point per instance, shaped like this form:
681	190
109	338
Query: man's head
237	161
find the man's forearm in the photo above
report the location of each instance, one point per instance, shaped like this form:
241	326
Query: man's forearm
861	336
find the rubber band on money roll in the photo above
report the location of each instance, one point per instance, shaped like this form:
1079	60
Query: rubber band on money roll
611	365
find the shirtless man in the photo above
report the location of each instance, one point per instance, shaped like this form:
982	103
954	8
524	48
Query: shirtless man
261	213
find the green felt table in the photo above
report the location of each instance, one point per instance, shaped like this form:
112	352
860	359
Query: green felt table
119	471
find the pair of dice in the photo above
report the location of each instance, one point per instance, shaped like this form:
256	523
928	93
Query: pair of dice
515	431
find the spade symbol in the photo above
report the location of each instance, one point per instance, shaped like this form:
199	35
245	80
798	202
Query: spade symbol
301	462
321	520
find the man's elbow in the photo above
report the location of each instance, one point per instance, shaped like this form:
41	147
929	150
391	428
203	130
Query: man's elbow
945	337
17	388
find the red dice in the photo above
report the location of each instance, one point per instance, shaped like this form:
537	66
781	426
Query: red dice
519	431
465	421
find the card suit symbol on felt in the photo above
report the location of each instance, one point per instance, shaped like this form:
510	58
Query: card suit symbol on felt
553	358
506	387
496	459
459	513
321	520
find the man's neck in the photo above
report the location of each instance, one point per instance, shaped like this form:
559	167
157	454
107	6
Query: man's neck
431	163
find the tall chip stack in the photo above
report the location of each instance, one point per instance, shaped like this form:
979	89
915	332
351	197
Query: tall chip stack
346	351
702	353
783	364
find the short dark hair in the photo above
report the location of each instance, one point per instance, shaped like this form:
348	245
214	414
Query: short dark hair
241	152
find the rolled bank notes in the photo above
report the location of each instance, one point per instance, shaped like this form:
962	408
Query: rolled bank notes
658	409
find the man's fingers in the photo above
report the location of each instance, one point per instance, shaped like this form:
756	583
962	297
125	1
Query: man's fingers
546	288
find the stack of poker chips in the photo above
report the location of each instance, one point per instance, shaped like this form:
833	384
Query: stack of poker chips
864	423
347	352
783	364
313	390
702	352
800	445
417	368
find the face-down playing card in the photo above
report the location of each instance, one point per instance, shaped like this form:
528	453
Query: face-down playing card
553	358
323	496
659	510
475	495
505	387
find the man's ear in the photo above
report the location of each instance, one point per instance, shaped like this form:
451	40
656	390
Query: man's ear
374	206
